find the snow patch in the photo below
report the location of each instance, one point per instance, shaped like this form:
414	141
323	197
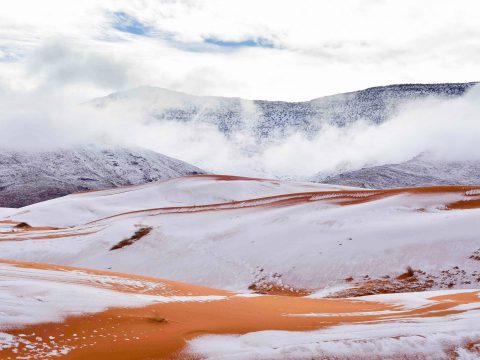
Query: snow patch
426	338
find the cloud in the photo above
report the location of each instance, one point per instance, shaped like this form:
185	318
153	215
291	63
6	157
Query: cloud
62	65
56	54
37	121
278	50
446	129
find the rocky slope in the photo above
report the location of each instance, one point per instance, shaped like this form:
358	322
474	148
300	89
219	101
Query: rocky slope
267	118
420	171
30	177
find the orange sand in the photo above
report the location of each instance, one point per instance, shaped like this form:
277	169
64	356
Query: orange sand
160	331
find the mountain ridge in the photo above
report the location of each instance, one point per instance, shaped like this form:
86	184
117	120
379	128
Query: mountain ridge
266	119
28	177
419	171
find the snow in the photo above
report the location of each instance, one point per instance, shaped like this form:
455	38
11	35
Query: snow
31	296
405	301
329	290
413	300
6	211
28	177
308	245
422	170
265	119
425	338
256	230
201	190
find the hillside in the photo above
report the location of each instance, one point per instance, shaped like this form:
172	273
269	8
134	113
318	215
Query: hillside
264	119
420	171
28	177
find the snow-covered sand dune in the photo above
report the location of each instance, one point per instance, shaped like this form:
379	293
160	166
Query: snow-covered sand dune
79	208
442	334
266	236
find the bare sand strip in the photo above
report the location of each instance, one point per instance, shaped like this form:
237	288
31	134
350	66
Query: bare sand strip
161	330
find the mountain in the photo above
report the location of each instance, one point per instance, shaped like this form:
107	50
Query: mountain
263	236
267	118
419	171
266	123
28	177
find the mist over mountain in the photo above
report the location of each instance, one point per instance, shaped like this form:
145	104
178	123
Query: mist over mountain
269	118
46	150
298	140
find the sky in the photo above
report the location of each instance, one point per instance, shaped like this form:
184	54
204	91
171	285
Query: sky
56	55
255	49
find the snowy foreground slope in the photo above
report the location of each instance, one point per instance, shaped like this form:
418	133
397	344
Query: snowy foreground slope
50	312
29	177
265	236
270	252
420	171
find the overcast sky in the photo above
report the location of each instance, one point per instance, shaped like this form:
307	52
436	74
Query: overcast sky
262	49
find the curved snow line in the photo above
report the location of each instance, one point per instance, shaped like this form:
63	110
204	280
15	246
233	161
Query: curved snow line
295	198
285	199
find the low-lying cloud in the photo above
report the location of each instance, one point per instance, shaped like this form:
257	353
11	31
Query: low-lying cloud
447	129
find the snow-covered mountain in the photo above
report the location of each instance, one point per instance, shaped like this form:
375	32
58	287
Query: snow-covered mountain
419	171
266	118
258	129
28	177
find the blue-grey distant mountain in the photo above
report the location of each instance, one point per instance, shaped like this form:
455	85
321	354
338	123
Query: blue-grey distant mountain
267	118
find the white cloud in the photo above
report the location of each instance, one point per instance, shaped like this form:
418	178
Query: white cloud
447	129
59	64
322	47
55	54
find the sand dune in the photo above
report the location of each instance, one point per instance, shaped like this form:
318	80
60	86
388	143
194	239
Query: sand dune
131	317
256	269
267	236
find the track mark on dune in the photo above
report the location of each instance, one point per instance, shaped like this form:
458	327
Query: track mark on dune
337	197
